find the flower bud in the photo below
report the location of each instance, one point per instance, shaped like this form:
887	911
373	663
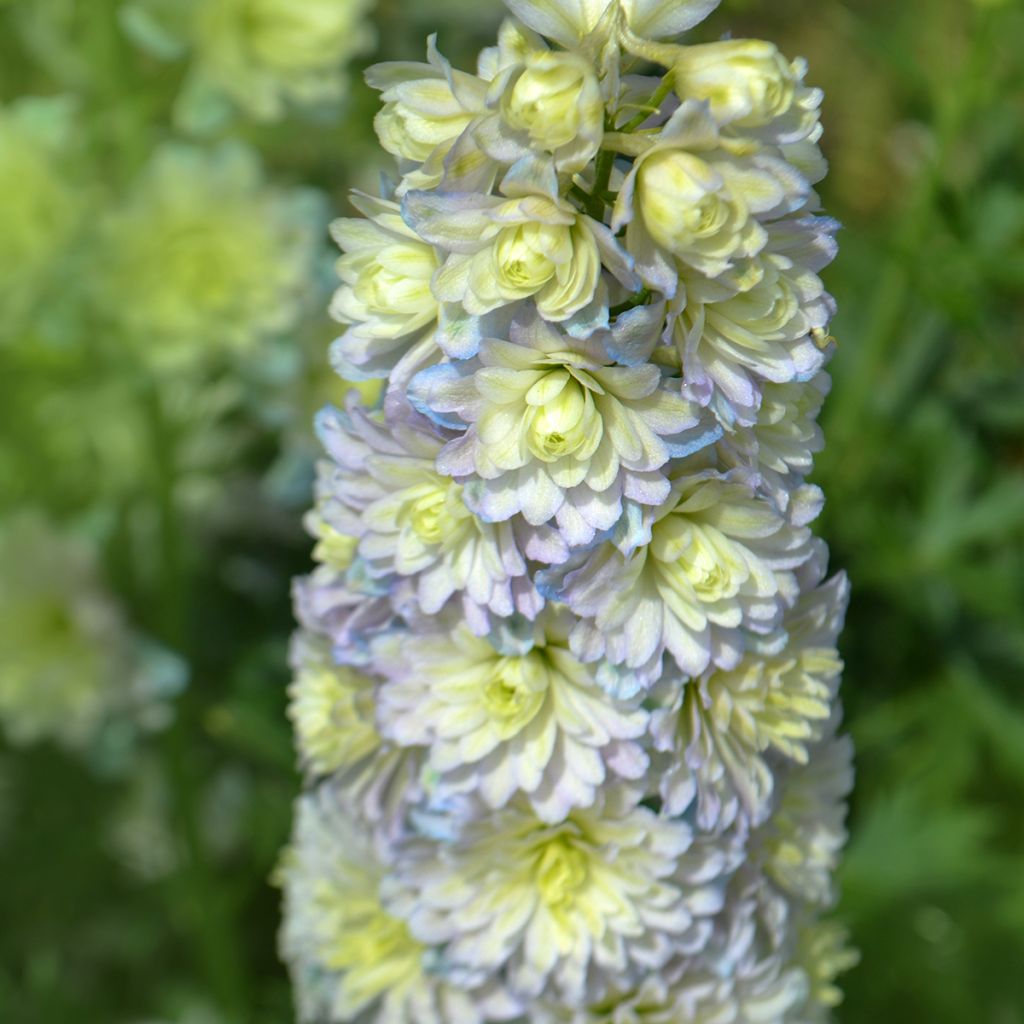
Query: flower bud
386	272
556	101
422	116
748	84
690	211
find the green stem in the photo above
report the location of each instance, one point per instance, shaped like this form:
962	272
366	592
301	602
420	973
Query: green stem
636	299
203	902
597	200
653	107
602	176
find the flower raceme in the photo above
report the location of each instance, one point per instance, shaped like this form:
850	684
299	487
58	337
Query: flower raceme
566	686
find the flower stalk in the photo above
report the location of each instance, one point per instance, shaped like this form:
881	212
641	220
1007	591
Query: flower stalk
566	679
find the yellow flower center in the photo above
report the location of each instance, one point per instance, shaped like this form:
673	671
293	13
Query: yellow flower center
699	554
515	692
562	870
561	425
545	100
682	200
428	515
523	254
435	512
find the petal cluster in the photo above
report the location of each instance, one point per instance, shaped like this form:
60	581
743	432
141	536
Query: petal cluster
566	686
257	57
203	254
70	664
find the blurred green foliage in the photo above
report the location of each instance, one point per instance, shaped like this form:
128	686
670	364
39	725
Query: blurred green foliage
136	866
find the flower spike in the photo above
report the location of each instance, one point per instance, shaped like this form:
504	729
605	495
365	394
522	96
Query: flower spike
566	685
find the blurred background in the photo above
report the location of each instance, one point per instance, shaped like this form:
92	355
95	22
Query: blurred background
167	169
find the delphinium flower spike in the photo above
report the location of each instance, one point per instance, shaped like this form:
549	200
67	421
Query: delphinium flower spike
566	677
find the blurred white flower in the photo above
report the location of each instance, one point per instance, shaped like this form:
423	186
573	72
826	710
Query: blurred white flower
69	662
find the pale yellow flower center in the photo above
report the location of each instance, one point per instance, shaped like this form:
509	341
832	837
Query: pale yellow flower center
559	425
333	713
428	517
681	199
335	549
435	512
523	254
374	951
384	291
545	100
708	576
515	691
707	217
375	941
699	554
562	870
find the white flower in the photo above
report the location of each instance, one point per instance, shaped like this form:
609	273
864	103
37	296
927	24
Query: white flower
750	87
548	105
568	661
572	22
802	839
528	244
202	255
824	953
719	563
69	662
417	539
699	991
555	99
765	325
782	444
721	728
333	710
347	953
687	197
386	293
556	430
264	54
605	896
427	107
527	717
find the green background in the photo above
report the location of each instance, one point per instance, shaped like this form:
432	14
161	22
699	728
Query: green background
197	525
